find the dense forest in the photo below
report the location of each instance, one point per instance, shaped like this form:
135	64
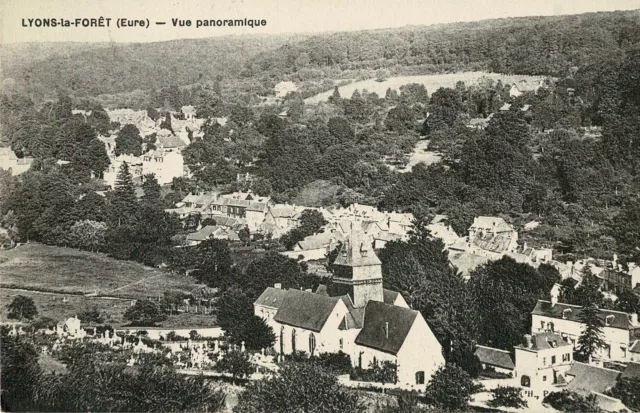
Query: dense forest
528	45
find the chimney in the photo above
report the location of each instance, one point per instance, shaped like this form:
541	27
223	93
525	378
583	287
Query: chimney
527	341
278	286
555	293
386	330
633	318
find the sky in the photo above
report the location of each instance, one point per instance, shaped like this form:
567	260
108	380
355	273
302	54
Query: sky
282	16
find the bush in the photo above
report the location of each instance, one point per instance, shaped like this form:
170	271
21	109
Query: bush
508	397
569	401
450	388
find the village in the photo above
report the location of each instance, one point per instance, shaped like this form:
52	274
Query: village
402	219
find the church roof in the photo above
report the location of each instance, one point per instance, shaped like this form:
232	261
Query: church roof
357	251
376	317
305	310
272	297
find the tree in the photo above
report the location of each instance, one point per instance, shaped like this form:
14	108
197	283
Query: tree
627	389
450	388
569	401
382	75
152	191
274	268
507	396
21	372
88	235
588	292
298	387
128	141
628	302
124	209
91	316
22	308
245	235
145	313
236	363
255	333
591	340
166	123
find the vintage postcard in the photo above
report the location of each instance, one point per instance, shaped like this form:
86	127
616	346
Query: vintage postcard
306	206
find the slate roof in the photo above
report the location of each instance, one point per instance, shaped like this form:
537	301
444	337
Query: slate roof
230	222
496	224
635	347
319	240
171	142
544	308
272	297
466	262
492	242
588	378
305	310
495	357
544	341
389	296
357	251
204	233
632	371
376	315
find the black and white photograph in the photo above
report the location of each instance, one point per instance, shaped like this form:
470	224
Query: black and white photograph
320	206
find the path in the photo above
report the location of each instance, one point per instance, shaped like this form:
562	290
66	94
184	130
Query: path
134	283
105	297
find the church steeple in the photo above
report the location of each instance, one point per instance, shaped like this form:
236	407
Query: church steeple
358	270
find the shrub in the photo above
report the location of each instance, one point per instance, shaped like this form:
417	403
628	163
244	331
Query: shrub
508	397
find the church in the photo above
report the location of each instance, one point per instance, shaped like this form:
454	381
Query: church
356	315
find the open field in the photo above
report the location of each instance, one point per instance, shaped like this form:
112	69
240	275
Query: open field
51	305
65	270
431	82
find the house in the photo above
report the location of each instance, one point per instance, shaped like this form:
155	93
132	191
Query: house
164	164
523	86
499	360
284	88
70	328
246	205
542	360
620	330
212	232
314	247
10	162
355	315
280	219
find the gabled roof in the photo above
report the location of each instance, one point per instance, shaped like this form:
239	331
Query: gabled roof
376	317
495	357
632	371
357	251
320	240
171	142
271	297
492	242
544	341
588	378
204	233
305	310
617	319
496	224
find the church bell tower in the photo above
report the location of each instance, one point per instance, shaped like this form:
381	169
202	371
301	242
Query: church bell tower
358	271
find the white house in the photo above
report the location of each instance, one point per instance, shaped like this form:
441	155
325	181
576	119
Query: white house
9	161
355	315
542	360
621	331
70	328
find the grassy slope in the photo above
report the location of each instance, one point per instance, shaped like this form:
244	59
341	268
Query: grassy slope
48	268
67	271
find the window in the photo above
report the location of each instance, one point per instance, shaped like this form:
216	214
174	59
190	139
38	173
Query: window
544	378
624	352
420	377
542	325
312	343
609	319
552	327
553	359
544	361
341	344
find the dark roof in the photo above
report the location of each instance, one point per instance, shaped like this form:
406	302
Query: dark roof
389	296
376	315
354	318
495	357
632	371
544	308
635	347
590	378
305	310
272	297
357	251
544	341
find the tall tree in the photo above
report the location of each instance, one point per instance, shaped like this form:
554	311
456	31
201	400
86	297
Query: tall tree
591	340
124	208
129	141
